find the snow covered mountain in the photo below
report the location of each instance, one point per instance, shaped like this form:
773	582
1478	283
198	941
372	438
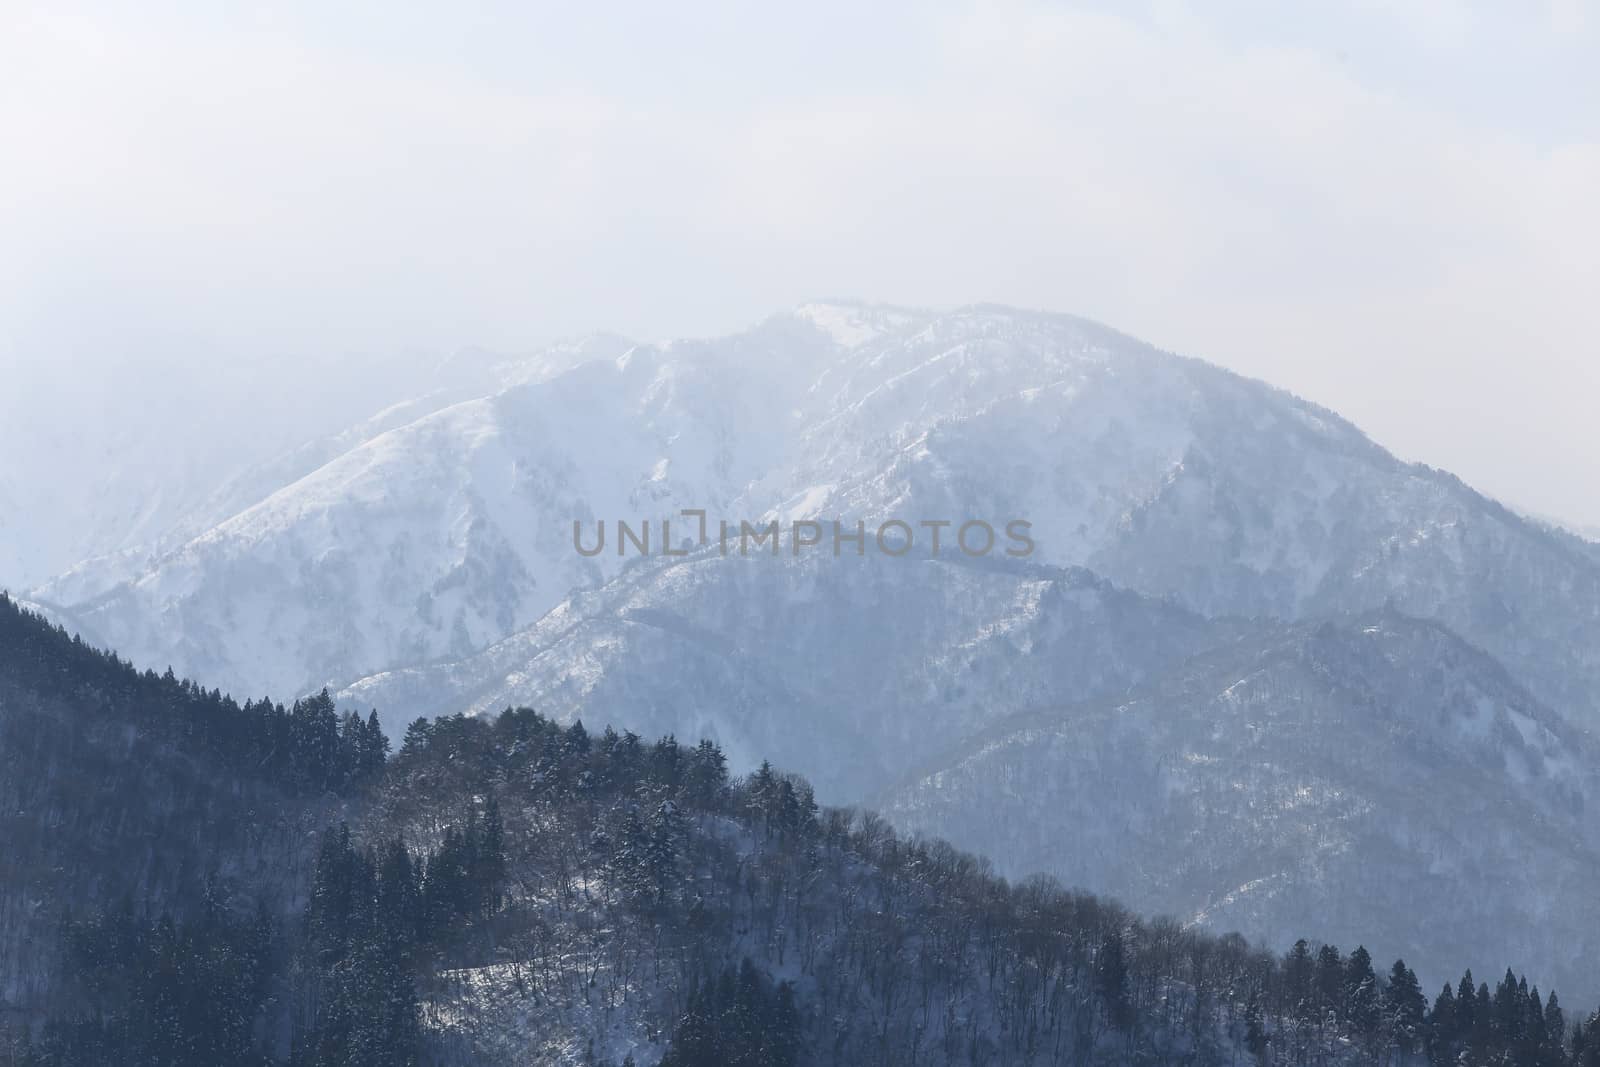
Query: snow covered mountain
1166	475
852	670
423	563
1378	774
465	375
554	896
144	439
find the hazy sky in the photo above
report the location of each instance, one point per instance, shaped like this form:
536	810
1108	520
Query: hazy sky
1391	208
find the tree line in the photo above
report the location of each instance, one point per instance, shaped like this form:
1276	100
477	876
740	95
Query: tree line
613	885
307	747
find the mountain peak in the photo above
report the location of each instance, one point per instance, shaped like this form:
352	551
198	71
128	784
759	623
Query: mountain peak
853	323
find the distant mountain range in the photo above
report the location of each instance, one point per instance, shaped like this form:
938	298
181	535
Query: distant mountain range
191	881
1377	773
1258	672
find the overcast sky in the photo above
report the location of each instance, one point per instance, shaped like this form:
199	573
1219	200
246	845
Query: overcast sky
1390	208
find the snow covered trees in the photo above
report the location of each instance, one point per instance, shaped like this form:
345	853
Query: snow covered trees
611	885
737	1019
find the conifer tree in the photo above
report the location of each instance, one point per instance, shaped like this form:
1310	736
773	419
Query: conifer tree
1361	1004
1330	983
1299	976
492	855
1555	1029
416	739
1404	1007
1443	1027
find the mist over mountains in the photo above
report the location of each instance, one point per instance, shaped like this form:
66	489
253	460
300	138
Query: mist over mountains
1259	673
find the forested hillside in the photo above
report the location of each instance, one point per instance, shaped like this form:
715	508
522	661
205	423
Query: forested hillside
128	789
423	563
225	883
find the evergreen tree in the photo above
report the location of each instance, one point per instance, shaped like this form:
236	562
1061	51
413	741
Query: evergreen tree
1299	979
1555	1029
666	764
707	775
1330	983
1404	1008
399	898
662	844
1508	1006
490	857
1466	1008
374	751
416	739
1443	1027
1532	1047
762	792
1483	1032
1362	1009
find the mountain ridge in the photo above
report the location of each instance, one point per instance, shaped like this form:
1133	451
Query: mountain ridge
505	890
1338	768
904	417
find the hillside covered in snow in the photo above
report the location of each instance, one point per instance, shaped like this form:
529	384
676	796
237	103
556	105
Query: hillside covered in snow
1195	534
1339	770
273	886
1168	476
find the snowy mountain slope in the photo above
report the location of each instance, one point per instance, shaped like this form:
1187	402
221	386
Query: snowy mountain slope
1580	538
1340	536
463	376
188	881
1167	475
442	535
97	575
1176	478
848	670
1377	774
143	436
